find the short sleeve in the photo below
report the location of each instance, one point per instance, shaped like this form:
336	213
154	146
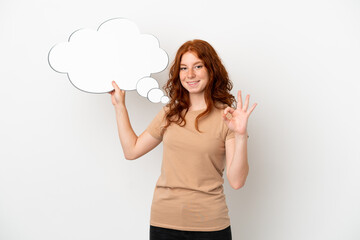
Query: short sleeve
155	128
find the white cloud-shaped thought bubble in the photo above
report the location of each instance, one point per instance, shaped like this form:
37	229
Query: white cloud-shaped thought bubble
115	51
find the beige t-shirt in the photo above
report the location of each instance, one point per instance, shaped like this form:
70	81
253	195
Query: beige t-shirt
189	193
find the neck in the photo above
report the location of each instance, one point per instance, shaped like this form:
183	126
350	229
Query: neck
197	101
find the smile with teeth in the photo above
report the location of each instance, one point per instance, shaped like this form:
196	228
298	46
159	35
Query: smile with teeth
193	83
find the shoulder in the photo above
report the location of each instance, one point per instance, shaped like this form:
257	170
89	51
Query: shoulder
166	108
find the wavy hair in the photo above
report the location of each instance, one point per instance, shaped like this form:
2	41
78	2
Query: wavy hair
217	89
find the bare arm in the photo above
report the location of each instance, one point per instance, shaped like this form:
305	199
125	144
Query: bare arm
132	145
237	166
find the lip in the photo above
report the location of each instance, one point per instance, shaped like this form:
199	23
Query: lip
193	83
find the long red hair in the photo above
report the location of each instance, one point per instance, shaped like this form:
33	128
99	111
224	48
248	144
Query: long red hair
216	91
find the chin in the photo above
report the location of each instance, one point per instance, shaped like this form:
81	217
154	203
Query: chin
195	91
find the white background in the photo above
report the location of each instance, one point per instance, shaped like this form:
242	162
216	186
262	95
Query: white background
62	170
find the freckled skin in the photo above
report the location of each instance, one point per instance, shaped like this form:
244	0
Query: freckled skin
193	69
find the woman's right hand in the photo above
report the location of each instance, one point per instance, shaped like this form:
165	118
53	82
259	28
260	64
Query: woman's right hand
117	96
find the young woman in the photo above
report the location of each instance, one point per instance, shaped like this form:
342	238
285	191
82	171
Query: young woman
202	134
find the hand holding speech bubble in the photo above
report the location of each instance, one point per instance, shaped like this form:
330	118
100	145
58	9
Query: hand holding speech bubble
117	51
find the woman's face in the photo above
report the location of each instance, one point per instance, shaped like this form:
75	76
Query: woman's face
193	74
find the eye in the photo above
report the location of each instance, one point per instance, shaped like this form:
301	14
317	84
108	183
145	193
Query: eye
182	68
198	66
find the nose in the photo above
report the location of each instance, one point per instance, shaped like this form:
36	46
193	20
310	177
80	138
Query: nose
191	73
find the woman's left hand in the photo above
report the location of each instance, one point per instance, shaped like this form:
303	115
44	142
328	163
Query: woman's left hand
240	116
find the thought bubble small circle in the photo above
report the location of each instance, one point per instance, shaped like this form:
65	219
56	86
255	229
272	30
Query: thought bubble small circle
154	95
164	99
145	84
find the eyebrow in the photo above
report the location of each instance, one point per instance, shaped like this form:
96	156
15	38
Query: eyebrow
194	63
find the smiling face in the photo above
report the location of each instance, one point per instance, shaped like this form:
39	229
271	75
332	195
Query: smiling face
193	74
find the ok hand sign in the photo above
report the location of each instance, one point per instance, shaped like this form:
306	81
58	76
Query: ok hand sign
240	116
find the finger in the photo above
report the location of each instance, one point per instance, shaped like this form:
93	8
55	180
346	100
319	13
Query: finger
239	103
225	118
116	87
246	102
252	108
227	114
228	109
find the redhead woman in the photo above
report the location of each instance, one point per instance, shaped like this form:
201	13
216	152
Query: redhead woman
202	133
